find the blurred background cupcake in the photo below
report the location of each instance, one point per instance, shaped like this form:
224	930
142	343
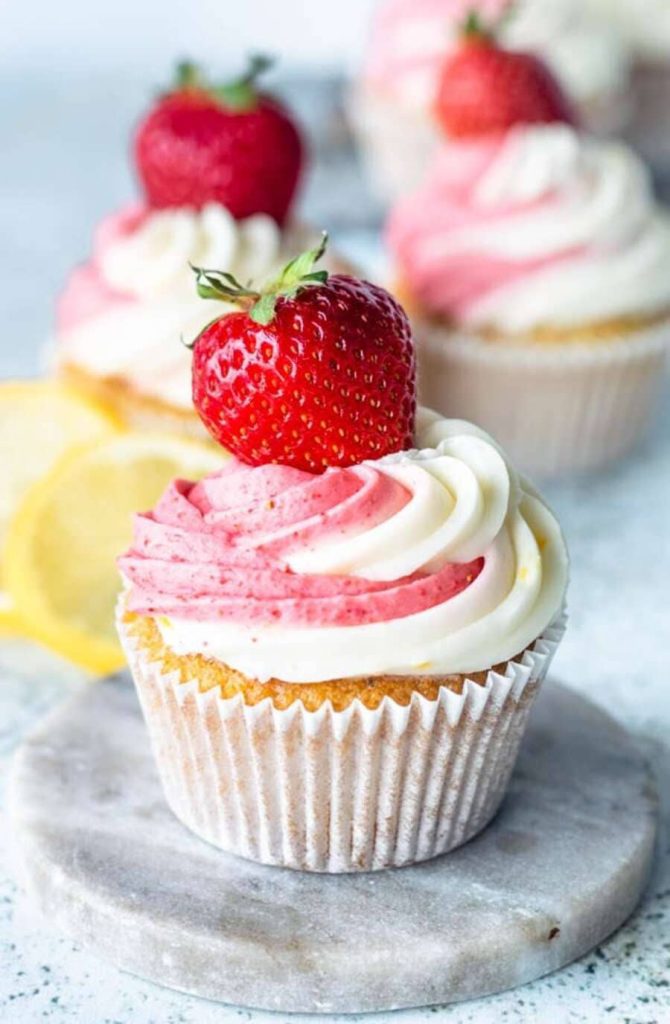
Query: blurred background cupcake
219	167
392	103
534	259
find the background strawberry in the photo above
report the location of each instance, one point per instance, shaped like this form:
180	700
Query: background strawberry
318	371
483	88
229	144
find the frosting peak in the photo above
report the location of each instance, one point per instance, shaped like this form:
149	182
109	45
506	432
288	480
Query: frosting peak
542	226
153	258
124	312
430	561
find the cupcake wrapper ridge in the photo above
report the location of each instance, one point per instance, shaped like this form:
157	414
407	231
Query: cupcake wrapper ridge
338	791
555	408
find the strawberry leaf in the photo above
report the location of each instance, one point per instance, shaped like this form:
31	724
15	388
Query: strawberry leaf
296	275
187	75
241	94
238	95
217	284
263	311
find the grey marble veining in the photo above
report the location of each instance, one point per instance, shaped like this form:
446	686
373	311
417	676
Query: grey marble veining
562	865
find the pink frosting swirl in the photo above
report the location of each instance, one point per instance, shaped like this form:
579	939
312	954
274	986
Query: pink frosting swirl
86	293
542	226
439	236
221	550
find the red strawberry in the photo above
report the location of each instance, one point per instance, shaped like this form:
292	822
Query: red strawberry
227	144
317	371
484	88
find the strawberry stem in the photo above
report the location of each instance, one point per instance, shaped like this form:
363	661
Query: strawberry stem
239	95
187	75
474	29
296	275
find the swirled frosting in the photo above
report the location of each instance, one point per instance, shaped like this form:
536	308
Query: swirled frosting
410	38
643	24
543	226
430	561
124	313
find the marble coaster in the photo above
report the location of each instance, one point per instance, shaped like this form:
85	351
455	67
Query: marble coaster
561	867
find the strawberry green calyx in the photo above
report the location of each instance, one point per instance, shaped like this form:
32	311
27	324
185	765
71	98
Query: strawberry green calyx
239	95
260	305
187	76
473	29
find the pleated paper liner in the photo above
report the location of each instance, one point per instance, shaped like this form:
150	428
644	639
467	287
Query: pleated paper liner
338	791
554	408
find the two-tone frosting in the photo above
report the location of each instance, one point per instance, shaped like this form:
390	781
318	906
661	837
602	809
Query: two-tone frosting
410	37
540	227
426	562
123	313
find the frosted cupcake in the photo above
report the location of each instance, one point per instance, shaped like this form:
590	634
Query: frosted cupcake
219	168
392	105
337	639
536	266
124	317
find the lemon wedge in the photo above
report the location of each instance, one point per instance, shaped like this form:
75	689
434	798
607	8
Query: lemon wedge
39	421
63	541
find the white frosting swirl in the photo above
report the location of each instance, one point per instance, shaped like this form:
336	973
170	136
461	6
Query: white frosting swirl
154	260
138	338
606	241
584	50
643	24
465	502
546	227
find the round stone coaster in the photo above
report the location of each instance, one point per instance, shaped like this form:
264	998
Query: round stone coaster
561	867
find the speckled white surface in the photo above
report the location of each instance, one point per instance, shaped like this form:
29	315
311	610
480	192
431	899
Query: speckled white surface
617	649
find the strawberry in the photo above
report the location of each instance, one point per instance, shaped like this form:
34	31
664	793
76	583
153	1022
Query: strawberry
228	144
314	371
484	89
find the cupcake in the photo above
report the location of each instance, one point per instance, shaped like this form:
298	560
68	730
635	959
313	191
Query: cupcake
219	168
534	260
392	104
337	638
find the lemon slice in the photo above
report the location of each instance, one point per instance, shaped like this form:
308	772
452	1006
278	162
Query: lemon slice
10	623
64	539
39	421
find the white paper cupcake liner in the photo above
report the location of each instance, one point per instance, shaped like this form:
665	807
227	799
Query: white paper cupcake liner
338	791
554	408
